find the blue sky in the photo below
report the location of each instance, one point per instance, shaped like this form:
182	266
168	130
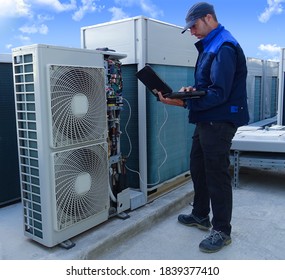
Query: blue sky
256	24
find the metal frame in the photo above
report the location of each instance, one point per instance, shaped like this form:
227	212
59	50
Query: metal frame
255	160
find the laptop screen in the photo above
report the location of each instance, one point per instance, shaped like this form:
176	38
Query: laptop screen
152	81
155	84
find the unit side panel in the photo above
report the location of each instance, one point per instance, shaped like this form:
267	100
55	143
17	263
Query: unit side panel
118	36
166	45
30	144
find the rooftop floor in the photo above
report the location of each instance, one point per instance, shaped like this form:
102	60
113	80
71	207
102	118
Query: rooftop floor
152	231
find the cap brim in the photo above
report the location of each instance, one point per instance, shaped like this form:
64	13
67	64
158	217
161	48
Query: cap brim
189	25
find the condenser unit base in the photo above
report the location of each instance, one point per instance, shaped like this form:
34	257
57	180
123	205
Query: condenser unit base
123	201
258	148
137	199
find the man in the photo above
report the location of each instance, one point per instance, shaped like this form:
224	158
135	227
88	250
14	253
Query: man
220	71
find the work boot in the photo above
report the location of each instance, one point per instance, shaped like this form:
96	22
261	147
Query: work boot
215	242
193	221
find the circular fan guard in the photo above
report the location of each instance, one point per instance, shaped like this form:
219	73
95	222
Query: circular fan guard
73	205
67	84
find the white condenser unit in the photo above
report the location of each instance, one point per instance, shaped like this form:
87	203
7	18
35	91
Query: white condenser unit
61	117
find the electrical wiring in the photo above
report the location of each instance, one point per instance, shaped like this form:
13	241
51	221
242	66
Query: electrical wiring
159	141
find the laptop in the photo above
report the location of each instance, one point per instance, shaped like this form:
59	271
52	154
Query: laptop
155	84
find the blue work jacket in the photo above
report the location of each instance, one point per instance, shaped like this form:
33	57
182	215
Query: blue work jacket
221	71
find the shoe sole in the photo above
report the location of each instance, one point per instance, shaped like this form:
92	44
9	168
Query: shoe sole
195	225
228	242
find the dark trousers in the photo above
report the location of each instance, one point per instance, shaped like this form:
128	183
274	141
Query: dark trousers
209	167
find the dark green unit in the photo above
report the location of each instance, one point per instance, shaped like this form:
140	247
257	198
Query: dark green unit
9	168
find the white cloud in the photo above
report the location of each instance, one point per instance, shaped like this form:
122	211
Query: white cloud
269	48
56	5
272	51
150	8
32	29
28	8
87	6
126	3
15	8
145	5
8	46
274	8
79	9
24	39
117	13
38	12
42	17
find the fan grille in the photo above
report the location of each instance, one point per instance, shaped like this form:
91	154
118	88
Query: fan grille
81	184
78	104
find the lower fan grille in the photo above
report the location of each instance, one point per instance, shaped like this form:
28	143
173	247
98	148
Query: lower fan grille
81	184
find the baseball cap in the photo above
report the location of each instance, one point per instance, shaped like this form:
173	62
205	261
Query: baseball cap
197	11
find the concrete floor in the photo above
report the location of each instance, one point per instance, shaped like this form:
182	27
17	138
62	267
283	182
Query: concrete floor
152	231
258	228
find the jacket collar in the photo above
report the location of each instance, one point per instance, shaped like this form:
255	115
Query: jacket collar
203	43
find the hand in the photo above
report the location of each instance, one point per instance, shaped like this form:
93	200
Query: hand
170	101
187	89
